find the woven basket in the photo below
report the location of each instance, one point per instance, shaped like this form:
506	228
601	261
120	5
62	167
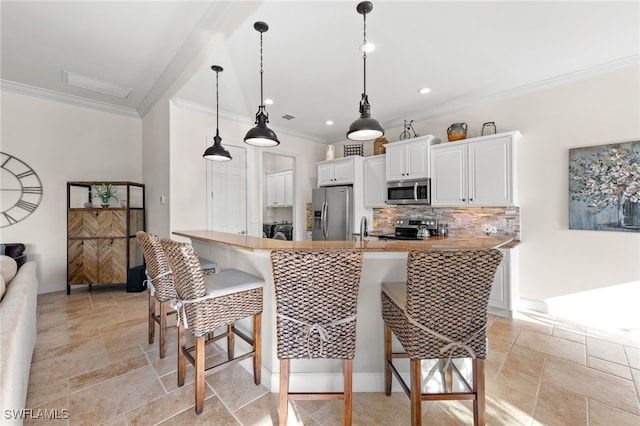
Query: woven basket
378	146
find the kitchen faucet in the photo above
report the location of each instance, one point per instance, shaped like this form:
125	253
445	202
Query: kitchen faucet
363	228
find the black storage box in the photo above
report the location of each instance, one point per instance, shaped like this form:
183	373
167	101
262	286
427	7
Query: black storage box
136	278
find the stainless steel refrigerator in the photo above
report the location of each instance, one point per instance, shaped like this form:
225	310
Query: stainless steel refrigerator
332	210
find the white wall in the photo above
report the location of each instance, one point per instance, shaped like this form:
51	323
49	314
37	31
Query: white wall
155	167
61	143
189	128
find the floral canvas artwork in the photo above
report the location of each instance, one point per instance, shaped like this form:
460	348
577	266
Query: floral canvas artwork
604	187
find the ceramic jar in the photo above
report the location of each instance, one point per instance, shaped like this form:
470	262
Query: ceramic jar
489	128
457	131
330	155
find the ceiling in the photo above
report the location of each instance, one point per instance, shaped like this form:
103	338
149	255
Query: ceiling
466	52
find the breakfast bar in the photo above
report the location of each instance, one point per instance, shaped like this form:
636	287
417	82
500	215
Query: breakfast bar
383	261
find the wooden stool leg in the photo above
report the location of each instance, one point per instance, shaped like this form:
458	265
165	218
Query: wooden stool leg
230	344
348	388
163	329
479	414
182	360
416	393
199	367
152	320
283	404
257	348
387	360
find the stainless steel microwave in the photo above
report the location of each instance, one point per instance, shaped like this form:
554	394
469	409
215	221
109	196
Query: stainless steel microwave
409	192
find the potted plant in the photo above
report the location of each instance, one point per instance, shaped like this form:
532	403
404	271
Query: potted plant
105	192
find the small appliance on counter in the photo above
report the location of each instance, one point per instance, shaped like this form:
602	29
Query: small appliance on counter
413	229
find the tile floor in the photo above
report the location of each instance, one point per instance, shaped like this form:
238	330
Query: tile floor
92	359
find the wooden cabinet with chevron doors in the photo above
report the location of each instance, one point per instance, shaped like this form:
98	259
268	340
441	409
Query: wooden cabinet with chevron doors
101	236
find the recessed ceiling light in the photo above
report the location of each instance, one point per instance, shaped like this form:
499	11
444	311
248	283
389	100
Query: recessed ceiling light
424	90
369	47
84	82
329	123
268	101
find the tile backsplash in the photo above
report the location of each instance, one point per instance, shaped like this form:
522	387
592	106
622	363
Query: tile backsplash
462	221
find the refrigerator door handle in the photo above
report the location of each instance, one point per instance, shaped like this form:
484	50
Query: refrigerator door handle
323	219
348	215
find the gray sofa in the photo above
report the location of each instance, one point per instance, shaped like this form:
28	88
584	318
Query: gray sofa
19	292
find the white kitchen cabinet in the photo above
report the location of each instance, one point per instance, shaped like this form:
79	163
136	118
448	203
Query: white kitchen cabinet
409	159
280	189
504	291
375	181
475	172
288	188
336	172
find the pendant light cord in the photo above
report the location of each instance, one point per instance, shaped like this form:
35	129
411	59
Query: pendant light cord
364	52
217	107
261	73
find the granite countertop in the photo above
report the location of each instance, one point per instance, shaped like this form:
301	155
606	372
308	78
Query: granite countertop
265	244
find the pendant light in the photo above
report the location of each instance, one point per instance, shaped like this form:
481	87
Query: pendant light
261	135
217	152
366	127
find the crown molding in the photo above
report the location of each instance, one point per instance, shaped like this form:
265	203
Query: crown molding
64	98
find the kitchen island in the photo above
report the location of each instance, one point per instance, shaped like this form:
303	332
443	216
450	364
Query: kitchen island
383	261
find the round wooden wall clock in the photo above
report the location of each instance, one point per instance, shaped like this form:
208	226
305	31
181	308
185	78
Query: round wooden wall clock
21	190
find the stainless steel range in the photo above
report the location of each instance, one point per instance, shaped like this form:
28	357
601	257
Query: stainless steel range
413	229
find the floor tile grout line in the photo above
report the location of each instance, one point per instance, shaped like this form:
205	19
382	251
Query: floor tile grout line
538	389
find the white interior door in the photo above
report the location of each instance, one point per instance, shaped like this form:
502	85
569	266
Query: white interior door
227	193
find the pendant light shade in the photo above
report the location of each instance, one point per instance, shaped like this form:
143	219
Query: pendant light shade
217	152
261	135
365	127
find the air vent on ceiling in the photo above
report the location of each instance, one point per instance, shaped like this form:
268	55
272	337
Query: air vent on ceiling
288	117
84	82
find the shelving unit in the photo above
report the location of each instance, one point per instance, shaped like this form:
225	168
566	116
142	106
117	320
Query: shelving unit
101	242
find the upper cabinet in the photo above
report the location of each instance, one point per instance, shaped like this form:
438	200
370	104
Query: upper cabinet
475	172
336	172
409	159
375	184
280	189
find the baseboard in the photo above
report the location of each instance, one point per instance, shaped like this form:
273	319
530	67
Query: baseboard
533	305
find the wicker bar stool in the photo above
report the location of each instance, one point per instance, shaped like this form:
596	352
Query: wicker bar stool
223	299
316	305
160	285
441	313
